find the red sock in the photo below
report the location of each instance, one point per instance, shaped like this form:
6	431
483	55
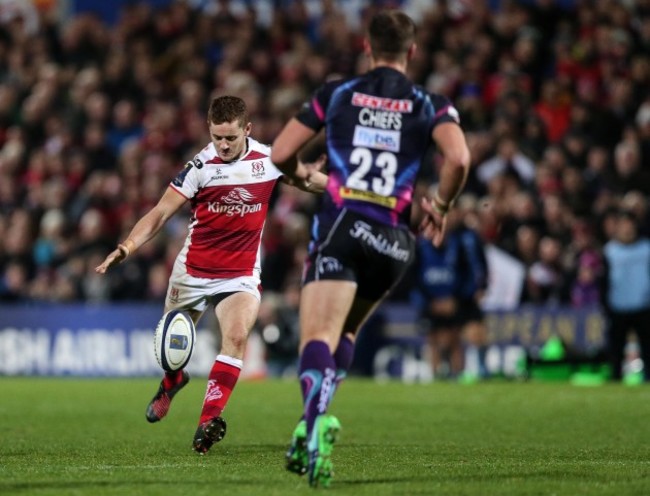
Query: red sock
172	378
221	382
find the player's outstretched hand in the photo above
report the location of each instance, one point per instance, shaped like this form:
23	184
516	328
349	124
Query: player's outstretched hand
113	258
434	224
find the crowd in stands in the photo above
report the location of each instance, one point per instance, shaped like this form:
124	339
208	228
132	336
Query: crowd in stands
95	120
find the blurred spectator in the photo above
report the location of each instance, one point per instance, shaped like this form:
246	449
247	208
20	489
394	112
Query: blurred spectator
554	110
628	172
557	217
639	205
534	141
642	121
527	244
51	246
450	284
585	291
626	296
14	285
125	125
92	233
545	281
508	159
583	263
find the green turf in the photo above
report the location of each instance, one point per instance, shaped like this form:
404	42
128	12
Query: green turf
84	437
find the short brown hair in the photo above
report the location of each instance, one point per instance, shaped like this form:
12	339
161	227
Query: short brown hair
228	109
391	33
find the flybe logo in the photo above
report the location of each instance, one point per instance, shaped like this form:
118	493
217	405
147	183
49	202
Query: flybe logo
379	139
237	202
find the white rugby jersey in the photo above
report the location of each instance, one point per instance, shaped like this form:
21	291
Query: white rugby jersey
229	205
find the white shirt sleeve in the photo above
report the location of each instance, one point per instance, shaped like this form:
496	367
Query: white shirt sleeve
188	181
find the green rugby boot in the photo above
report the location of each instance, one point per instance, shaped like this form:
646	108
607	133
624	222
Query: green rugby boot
297	457
320	446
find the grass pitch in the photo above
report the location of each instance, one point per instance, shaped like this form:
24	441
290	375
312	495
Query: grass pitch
83	437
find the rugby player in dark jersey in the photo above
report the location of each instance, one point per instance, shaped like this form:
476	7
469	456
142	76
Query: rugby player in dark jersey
377	127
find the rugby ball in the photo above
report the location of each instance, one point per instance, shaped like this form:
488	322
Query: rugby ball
174	340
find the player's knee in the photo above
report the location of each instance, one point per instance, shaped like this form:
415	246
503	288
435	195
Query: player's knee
236	339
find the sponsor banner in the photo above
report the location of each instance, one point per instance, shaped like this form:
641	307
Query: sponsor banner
581	330
78	340
94	341
367	196
529	326
402	352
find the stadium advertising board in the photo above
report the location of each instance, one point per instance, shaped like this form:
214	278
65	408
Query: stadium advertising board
87	341
117	340
511	333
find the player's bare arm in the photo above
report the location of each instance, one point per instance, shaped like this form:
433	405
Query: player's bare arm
145	229
451	144
285	148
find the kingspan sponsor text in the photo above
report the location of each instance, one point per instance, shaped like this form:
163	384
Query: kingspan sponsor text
240	209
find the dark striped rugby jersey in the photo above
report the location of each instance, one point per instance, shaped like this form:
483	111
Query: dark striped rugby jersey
378	128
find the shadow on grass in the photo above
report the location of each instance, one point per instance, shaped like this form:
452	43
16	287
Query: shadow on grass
511	477
89	486
382	480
